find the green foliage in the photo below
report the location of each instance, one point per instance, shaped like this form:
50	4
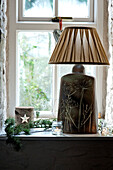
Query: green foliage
37	114
51	2
31	94
12	130
43	123
10	121
82	1
100	124
27	131
29	3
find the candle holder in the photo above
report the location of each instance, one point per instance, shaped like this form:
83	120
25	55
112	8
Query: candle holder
57	127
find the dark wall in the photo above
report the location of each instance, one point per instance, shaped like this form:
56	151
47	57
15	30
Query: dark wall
49	154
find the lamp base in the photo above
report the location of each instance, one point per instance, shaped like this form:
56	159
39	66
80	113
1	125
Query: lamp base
77	102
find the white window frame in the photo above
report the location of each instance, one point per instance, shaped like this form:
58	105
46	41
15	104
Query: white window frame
55	11
15	25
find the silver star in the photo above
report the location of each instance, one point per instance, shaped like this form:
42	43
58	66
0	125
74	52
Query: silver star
24	119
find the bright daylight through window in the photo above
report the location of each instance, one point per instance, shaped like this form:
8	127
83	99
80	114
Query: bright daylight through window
45	8
38	82
35	75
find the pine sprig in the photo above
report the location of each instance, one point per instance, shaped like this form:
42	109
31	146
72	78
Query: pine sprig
12	130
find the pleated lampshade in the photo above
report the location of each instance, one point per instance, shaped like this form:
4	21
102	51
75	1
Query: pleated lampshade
79	45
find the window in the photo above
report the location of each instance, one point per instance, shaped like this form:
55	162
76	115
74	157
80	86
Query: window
44	10
35	75
32	80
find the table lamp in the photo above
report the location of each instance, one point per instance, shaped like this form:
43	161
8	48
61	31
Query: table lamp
78	45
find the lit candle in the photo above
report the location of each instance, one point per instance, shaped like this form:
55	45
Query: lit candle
57	128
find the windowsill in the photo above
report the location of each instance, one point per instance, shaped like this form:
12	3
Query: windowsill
47	135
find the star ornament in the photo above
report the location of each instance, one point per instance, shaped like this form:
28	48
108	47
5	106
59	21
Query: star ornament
25	119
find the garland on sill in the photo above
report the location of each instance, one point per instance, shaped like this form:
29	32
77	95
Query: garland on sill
12	130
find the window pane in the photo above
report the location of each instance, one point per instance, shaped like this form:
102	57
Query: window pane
38	8
35	74
73	8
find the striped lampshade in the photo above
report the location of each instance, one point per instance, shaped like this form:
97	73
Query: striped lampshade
79	45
